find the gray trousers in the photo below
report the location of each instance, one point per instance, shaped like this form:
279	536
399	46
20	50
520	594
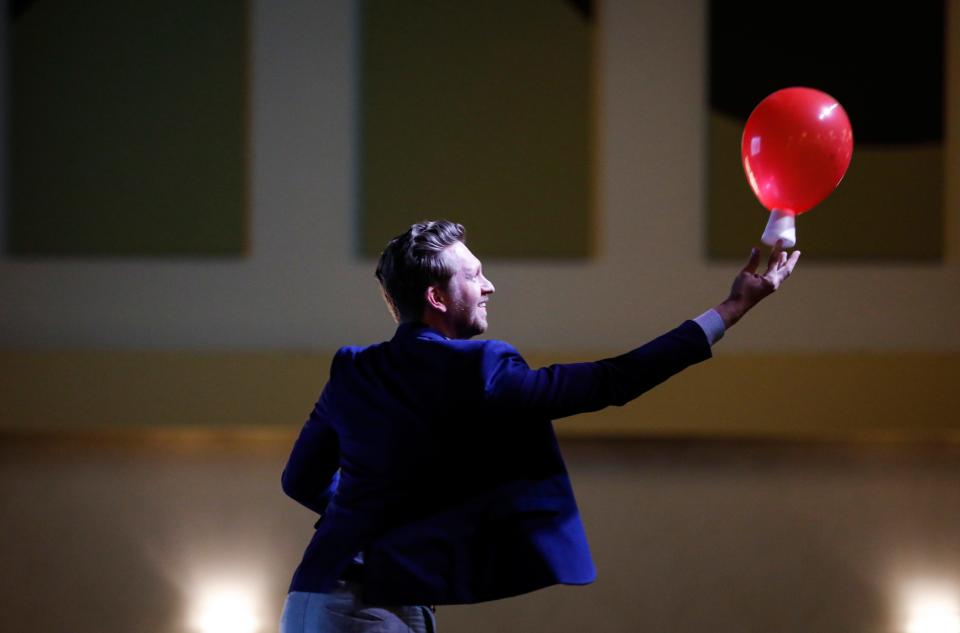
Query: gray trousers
342	611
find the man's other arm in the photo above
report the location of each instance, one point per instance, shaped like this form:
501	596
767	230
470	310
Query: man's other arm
311	474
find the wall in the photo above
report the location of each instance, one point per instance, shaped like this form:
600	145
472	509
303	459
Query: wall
687	537
225	323
302	287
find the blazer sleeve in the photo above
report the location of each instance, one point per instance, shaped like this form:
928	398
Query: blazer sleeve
312	471
567	389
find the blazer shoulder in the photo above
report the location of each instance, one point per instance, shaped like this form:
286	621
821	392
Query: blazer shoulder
486	351
350	352
349	356
482	359
495	348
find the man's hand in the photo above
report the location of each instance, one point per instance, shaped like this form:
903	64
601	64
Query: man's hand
749	287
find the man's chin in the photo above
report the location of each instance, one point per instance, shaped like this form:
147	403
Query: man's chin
475	329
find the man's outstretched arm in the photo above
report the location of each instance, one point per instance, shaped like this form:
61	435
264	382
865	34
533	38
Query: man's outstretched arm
567	389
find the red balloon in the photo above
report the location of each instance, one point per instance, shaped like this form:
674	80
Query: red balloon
796	147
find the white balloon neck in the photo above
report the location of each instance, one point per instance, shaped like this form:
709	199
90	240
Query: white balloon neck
780	226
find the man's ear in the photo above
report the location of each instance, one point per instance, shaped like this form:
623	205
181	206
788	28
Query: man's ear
436	299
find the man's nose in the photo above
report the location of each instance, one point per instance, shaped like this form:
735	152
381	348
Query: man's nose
488	286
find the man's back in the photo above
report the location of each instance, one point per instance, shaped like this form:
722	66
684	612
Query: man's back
451	481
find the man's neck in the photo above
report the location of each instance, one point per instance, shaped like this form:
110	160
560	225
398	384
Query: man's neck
435	321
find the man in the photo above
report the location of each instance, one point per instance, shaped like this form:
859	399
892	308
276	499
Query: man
432	459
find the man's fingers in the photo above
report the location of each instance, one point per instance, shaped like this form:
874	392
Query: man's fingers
783	269
794	256
754	260
774	258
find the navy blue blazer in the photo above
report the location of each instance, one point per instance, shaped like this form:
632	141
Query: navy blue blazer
437	459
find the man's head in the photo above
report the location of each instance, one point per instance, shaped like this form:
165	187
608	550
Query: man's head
428	274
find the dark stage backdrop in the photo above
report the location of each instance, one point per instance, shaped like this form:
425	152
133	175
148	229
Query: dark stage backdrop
128	128
480	112
885	65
